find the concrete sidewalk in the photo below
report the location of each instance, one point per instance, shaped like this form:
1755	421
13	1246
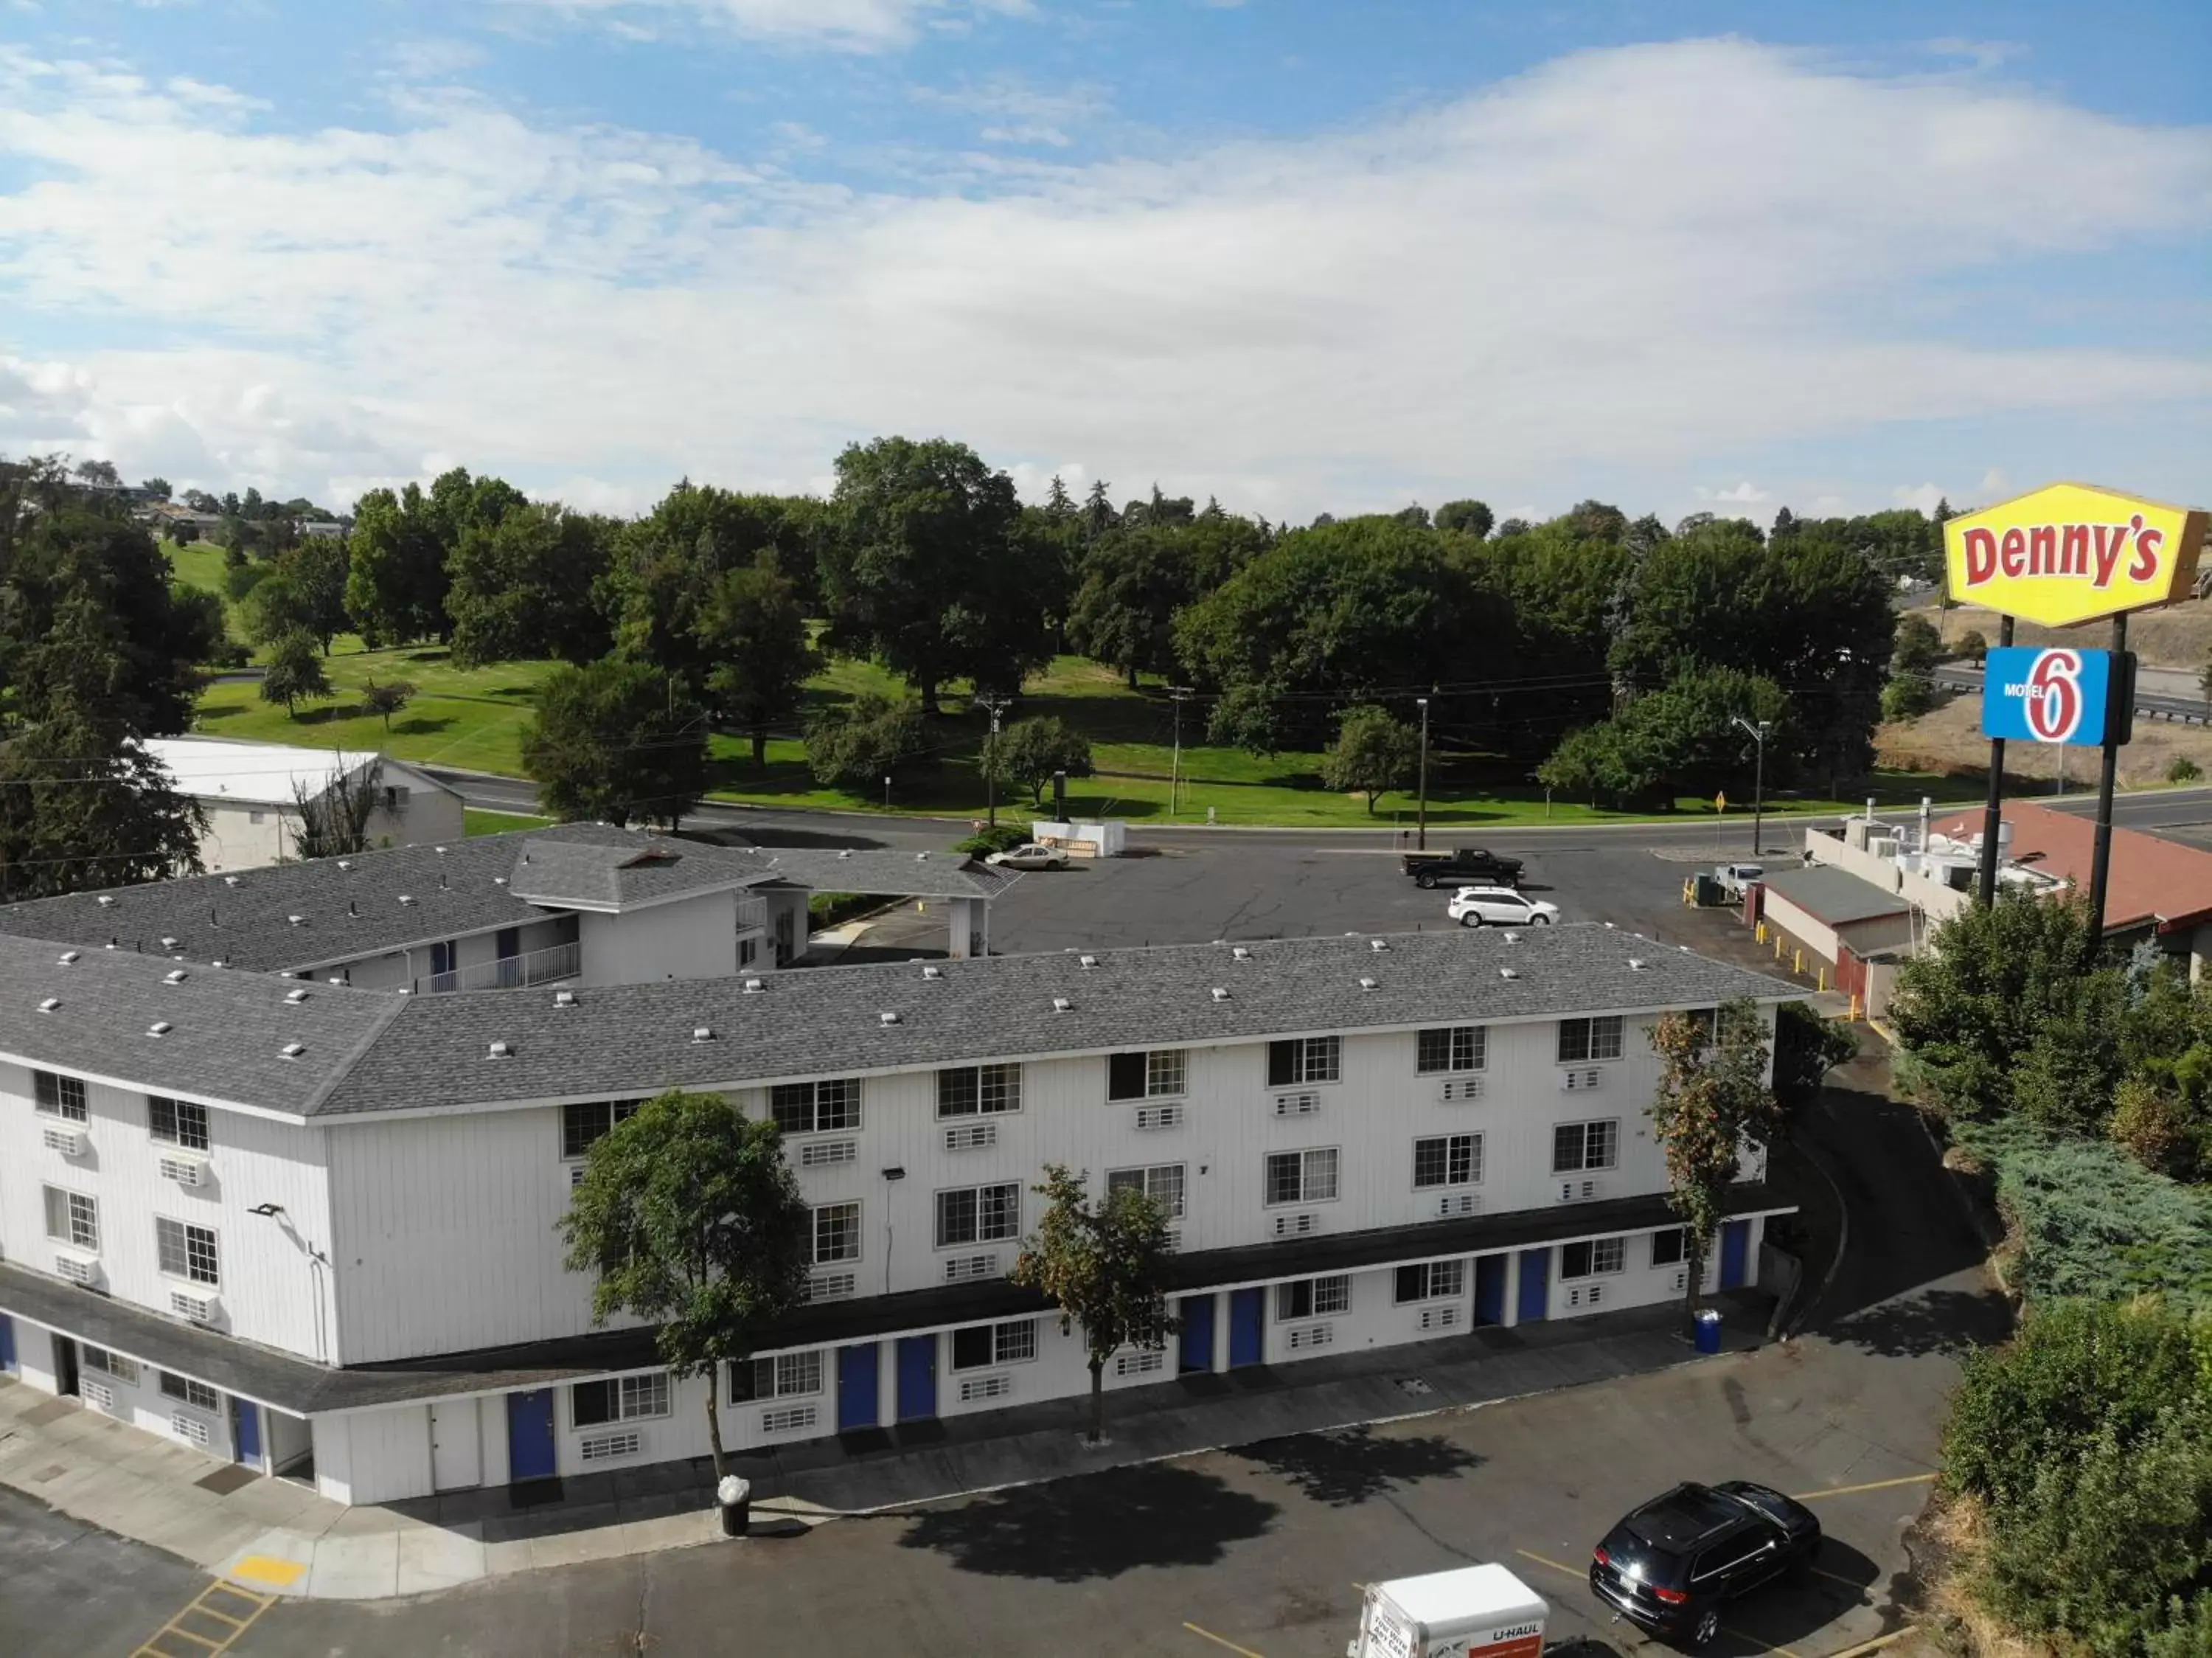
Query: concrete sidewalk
279	1537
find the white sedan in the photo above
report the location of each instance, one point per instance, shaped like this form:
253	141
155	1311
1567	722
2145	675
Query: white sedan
1500	906
1031	856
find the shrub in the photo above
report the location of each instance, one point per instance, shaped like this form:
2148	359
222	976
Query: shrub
857	745
2184	769
984	842
1972	646
241	578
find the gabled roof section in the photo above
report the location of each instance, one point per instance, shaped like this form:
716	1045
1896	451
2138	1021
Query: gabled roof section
220	769
639	1038
567	874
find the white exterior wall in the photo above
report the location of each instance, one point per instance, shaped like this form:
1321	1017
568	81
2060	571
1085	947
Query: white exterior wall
243	836
413	967
250	835
271	1291
373	1456
144	1406
688	938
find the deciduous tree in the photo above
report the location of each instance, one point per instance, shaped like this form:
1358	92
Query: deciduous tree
1374	752
527	584
385	698
754	633
857	745
1713	1097
614	742
295	672
1028	753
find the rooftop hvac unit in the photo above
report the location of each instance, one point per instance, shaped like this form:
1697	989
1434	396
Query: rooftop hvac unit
184	1171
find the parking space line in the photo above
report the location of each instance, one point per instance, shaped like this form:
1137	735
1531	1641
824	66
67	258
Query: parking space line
199	1607
1838	1577
1871	1485
1571	1571
1219	1640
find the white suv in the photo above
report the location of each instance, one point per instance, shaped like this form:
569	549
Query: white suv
1472	906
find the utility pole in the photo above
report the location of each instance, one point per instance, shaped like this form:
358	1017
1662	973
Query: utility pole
1421	831
1759	734
1175	769
997	706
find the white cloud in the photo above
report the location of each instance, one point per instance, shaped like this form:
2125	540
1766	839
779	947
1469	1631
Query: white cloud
850	25
434	58
1746	494
1922	496
1026	135
1995	484
1646	260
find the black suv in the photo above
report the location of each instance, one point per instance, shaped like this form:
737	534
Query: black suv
1675	1563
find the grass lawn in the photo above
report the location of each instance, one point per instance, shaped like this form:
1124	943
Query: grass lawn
478	821
475	719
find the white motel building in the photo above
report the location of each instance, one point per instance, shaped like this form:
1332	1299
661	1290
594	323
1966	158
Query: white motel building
283	1152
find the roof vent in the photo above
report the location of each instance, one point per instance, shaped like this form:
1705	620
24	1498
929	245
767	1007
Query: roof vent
1509	973
354	909
564	998
230	880
1241	953
337	979
292	1050
440	850
844	851
1636	964
405	899
169	941
1378	943
753	987
1086	962
297	921
500	1050
1219	994
933	970
159	1028
887	1018
1366	982
174	976
50	1004
219	961
922	857
702	1032
1511	937
1608	926
104	900
295	997
68	956
345	863
499	880
1062	1004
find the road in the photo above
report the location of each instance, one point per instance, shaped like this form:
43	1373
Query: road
2163	705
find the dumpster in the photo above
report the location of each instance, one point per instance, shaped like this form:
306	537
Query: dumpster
1709	1331
734	1497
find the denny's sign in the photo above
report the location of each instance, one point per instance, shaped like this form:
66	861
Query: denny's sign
2069	553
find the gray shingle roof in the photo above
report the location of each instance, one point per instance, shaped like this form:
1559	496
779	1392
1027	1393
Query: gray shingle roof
637	1039
558	871
1835	896
226	1031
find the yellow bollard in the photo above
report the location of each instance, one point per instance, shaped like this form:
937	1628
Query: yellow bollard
1821	979
1796	961
1778	947
1854	1007
1758	932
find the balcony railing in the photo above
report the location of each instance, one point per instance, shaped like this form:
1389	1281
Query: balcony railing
752	914
510	972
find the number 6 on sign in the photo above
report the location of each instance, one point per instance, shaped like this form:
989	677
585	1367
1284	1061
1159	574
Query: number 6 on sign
2057	695
2054	697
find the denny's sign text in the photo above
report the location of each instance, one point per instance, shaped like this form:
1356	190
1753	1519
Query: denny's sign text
2069	553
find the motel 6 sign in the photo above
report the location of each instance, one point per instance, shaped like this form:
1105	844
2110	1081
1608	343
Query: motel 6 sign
2069	553
2082	698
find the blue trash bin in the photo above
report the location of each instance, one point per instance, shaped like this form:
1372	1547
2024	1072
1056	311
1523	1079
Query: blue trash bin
1709	1331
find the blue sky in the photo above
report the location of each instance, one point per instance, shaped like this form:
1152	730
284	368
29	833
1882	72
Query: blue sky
1301	256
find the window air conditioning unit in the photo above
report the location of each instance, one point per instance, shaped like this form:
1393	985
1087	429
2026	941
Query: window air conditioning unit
791	1418
1145	1361
1297	1226
1460	1089
1307	1336
820	1153
603	1446
974	1136
982	1387
184	1171
1298	1105
1153	1117
960	1269
1682	1281
1581	1191
575	1176
77	1268
200	1309
831	1286
1588	1296
1440	1317
98	1393
1453	1203
189	1428
1581	1079
70	1141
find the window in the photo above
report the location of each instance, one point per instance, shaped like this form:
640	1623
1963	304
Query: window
748	950
1304	1059
622	1399
60	1096
979	1214
186	1250
177	1122
1578	1146
1447	1160
816	1107
982	1344
1301	1177
1584	1039
784	1376
1583	1260
836	1233
1145	1074
978	1090
114	1364
1451	1047
1162	1183
1429	1281
1312	1298
581	1124
73	1218
197	1394
1667	1247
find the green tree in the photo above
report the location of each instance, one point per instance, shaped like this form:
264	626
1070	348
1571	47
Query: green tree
1807	1047
1973	647
526	585
402	545
857	745
1103	1265
1374	752
157	487
1683	739
1467	517
1028	751
928	574
334	818
1136	579
754	632
613	740
295	672
689	1218
385	698
1713	1097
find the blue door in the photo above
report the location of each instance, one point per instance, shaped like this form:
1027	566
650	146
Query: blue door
1194	1315
245	1432
1535	1285
1490	1288
530	1436
7	1342
1246	1320
856	1387
1736	1249
917	1378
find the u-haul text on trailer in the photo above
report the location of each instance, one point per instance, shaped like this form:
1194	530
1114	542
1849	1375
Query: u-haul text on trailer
1474	1612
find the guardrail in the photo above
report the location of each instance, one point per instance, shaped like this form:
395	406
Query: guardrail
510	972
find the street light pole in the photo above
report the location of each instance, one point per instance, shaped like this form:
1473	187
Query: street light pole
1176	693
1759	734
990	761
1421	831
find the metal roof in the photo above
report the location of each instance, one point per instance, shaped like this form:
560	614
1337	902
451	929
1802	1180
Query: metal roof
1835	896
263	773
